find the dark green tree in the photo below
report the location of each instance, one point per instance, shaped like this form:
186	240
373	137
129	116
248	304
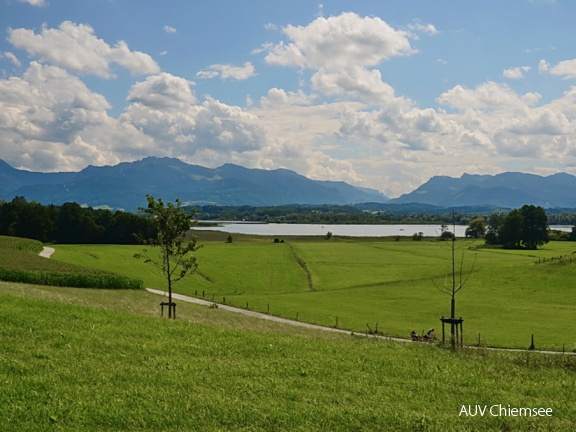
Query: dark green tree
534	226
476	229
494	223
510	233
174	259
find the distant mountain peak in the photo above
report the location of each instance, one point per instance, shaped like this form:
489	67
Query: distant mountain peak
507	189
126	184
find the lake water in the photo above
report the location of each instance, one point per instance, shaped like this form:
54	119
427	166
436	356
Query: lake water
404	230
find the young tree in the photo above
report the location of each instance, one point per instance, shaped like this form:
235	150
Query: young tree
175	259
459	278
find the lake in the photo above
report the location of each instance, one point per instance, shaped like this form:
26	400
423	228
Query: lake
404	230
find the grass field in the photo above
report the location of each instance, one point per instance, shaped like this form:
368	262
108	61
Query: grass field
93	360
364	282
19	262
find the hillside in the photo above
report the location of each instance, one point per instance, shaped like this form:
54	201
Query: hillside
126	184
91	360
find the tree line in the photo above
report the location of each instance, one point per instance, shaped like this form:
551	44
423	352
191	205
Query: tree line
526	227
71	223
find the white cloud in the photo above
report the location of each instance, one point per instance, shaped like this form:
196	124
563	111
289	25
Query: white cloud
280	98
227	71
566	68
75	47
169	29
343	51
418	27
163	91
543	66
489	96
164	108
10	56
338	42
34	2
50	120
516	73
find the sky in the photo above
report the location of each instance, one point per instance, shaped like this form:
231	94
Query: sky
377	93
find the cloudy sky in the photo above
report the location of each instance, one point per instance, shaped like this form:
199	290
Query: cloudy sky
378	93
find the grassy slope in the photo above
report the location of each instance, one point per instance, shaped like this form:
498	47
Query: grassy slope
116	366
367	282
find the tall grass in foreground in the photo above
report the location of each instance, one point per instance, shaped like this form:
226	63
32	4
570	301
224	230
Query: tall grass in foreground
19	262
67	367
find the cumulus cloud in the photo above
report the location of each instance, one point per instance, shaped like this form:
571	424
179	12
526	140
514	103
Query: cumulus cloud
488	96
340	41
342	51
50	120
163	91
516	73
566	69
281	98
75	47
165	109
169	29
227	71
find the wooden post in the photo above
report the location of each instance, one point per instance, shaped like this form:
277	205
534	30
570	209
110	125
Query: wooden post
268	309
532	344
336	322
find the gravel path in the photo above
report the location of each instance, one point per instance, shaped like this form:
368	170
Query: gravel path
314	326
256	314
47	252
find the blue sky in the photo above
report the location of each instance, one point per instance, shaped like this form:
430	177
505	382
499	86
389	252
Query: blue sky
378	93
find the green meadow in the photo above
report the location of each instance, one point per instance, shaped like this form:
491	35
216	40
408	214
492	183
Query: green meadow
359	284
92	360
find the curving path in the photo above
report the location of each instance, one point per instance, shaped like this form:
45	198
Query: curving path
264	316
47	252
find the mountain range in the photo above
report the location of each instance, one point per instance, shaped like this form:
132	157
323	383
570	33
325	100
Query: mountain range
506	190
124	186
